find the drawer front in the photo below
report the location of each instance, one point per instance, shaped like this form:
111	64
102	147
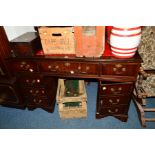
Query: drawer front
89	68
37	101
23	66
69	67
111	101
58	66
110	111
30	81
38	92
117	88
123	69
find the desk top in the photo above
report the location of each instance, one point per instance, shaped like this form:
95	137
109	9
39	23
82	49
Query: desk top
106	57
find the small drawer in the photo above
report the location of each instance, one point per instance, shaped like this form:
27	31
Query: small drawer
39	92
123	69
110	111
115	88
23	66
117	100
50	66
30	81
89	68
37	101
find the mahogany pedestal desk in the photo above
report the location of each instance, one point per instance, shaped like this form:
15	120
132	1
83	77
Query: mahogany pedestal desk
37	77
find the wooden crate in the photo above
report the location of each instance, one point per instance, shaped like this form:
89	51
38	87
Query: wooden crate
57	40
90	41
77	105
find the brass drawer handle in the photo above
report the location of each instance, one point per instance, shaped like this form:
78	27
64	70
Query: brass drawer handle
23	63
56	67
112	112
43	92
114	103
114	69
27	81
31	70
67	64
87	68
101	102
104	88
38	80
79	68
112	89
49	67
33	81
37	91
27	66
40	101
34	100
72	72
120	88
123	69
119	68
118	65
21	66
53	70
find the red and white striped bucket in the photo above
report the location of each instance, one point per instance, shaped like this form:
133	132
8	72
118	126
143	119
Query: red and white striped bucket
124	41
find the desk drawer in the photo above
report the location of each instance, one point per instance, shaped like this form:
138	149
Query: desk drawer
110	111
37	92
30	81
115	88
111	101
23	66
88	68
60	67
37	101
123	69
57	66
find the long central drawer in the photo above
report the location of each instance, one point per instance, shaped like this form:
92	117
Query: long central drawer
69	67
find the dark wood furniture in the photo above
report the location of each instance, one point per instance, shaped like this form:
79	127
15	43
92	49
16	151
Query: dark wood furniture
5	52
116	78
9	92
26	44
36	78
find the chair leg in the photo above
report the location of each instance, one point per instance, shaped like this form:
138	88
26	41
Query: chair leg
141	114
139	108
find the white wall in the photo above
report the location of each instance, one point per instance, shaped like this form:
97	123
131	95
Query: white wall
15	31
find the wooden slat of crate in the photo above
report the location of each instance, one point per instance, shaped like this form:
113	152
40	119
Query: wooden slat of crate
73	112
